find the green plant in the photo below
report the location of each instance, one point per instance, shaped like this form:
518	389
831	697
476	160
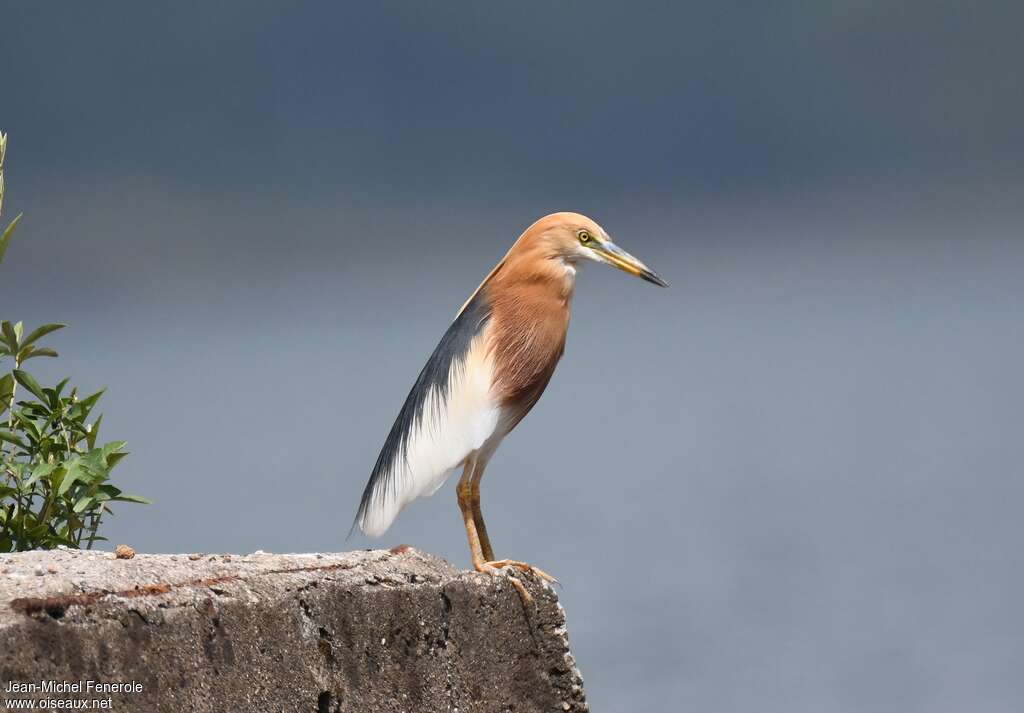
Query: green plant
54	480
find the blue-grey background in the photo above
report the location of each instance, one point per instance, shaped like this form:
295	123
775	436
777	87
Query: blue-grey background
791	482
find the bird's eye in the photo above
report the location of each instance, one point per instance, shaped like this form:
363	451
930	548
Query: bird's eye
584	236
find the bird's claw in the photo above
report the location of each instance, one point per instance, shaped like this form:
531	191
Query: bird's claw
486	568
499	567
523	567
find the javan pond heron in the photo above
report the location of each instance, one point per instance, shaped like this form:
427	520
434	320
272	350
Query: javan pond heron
485	375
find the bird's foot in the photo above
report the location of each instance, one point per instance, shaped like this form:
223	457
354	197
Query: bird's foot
499	567
524	567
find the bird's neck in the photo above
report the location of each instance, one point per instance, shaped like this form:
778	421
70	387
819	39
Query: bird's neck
537	275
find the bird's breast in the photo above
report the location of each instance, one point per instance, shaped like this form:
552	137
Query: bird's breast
526	336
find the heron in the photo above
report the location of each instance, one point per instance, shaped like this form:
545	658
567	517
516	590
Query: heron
487	372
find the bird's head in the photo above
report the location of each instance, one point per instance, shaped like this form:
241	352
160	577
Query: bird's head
572	237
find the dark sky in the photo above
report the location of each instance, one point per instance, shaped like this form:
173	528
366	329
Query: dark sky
258	219
404	97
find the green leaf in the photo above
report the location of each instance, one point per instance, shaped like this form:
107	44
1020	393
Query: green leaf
26	380
8	232
133	499
53	401
42	470
27	424
6	388
89	401
38	531
94	430
31	353
113	447
35	410
84	504
40	332
95	462
10	336
76	471
10	437
81	409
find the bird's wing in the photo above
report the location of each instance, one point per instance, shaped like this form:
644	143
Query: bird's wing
448	414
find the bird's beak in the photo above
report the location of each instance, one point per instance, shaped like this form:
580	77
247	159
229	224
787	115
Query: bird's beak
615	256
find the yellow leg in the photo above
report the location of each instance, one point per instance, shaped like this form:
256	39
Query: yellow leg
468	494
478	515
464	492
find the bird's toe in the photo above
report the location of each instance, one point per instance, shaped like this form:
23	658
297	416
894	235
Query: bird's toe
523	567
497	571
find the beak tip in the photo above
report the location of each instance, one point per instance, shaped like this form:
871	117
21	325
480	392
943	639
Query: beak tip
654	278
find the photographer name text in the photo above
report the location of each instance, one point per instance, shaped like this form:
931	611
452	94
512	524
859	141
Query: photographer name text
73	687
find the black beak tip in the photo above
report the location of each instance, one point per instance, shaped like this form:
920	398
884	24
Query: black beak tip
654	278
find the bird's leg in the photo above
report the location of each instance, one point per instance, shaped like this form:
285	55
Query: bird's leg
464	492
478	515
481	529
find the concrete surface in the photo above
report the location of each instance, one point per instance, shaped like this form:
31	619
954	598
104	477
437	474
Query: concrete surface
362	631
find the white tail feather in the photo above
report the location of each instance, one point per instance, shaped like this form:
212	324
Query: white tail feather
449	429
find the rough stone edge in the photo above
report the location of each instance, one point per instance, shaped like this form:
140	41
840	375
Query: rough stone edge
98	603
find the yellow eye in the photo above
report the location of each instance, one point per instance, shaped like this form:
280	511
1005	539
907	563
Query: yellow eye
584	236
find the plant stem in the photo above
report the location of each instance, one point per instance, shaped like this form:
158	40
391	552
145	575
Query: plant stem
10	427
94	525
10	406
